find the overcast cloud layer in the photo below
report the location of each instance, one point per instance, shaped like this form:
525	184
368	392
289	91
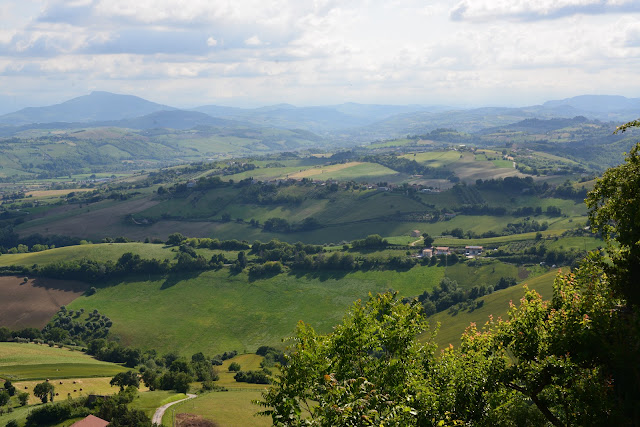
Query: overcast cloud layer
311	52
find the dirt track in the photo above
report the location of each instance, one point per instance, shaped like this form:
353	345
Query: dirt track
157	416
32	304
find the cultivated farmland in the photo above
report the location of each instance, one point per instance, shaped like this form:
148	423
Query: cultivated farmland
33	302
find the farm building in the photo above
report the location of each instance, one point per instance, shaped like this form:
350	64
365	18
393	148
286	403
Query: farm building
427	253
415	233
443	250
472	251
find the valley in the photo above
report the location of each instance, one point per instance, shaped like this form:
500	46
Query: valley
179	243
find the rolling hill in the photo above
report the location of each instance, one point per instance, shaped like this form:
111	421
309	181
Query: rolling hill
97	106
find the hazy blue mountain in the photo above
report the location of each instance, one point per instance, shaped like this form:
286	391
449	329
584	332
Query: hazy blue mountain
380	112
97	106
488	118
314	119
175	119
219	110
349	122
321	119
535	125
598	103
419	123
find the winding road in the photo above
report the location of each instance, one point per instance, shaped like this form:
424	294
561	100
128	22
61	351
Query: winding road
157	417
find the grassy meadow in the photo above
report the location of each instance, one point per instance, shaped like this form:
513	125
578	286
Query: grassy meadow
35	361
233	408
217	311
96	252
73	374
496	304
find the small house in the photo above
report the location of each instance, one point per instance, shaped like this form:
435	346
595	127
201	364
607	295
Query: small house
415	233
472	251
427	253
442	250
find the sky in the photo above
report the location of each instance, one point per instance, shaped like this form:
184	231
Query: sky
250	53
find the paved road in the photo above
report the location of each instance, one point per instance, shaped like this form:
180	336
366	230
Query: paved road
157	417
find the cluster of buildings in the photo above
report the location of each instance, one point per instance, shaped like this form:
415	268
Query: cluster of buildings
469	251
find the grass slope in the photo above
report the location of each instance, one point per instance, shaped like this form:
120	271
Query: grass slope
496	304
227	409
98	252
217	311
33	361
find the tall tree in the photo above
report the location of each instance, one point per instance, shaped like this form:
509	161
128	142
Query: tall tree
125	379
614	211
44	391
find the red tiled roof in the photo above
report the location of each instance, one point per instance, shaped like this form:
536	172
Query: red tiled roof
91	421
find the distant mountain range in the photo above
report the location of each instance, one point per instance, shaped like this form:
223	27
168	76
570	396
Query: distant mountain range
344	122
97	106
598	104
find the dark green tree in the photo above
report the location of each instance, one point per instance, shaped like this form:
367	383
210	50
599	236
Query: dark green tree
23	398
125	379
428	240
4	397
614	211
44	391
175	239
9	387
149	377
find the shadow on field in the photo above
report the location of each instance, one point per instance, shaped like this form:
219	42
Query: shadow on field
62	285
173	279
320	275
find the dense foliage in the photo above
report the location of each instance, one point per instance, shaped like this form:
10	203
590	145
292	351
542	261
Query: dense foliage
614	212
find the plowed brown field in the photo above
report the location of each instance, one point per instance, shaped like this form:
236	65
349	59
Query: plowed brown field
33	303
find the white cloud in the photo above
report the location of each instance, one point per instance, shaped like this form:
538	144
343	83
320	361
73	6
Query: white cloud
483	10
324	51
253	41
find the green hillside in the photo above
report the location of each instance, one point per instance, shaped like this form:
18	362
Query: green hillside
217	311
96	252
49	152
453	325
34	361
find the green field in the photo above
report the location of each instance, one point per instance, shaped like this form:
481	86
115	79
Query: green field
97	252
33	361
149	401
484	273
228	409
435	159
496	304
467	166
72	387
217	311
343	214
355	171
